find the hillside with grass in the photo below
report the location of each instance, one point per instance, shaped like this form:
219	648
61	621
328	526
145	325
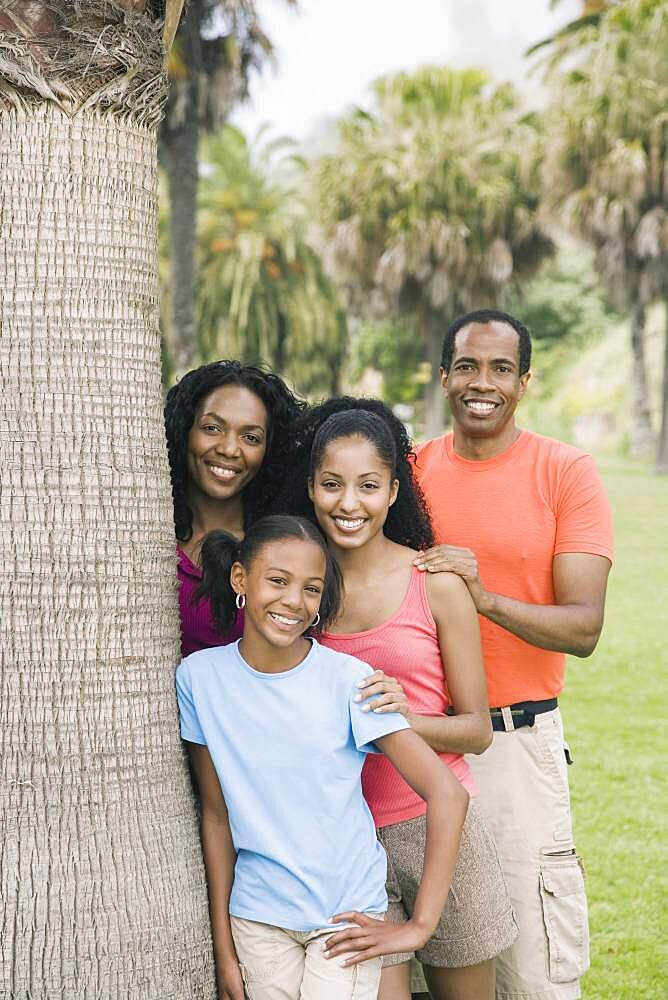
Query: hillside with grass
580	387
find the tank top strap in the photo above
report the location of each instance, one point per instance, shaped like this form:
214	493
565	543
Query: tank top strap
416	603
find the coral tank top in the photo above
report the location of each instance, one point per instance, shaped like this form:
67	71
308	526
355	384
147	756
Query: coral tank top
406	647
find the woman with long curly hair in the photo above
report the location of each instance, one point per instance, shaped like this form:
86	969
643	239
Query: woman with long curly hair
421	630
229	434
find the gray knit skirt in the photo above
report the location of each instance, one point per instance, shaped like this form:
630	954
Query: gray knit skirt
478	921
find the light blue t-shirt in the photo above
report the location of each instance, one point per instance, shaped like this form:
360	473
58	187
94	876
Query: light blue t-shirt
288	749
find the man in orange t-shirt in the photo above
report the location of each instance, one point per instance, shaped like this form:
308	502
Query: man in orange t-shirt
524	520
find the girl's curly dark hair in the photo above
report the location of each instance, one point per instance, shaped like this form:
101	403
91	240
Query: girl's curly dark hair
408	521
283	408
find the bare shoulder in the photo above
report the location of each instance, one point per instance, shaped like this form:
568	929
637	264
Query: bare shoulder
446	587
400	557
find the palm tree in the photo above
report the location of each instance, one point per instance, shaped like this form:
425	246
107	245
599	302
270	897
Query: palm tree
607	167
429	205
262	292
217	46
570	36
102	880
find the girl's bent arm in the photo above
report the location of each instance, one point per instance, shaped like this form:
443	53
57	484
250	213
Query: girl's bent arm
447	802
219	860
470	729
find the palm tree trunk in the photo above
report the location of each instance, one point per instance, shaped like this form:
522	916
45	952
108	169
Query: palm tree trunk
180	141
338	356
662	453
433	396
641	427
281	347
102	879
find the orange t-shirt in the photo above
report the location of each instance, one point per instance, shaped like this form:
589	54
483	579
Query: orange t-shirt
516	511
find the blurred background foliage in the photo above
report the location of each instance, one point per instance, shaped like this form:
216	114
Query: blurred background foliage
341	265
430	205
262	291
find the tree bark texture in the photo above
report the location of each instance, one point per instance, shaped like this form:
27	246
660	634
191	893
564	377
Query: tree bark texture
101	875
642	436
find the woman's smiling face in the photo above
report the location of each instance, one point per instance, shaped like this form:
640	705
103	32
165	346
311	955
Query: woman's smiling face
352	490
227	442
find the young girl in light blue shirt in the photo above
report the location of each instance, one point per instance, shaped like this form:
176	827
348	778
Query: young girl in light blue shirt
277	743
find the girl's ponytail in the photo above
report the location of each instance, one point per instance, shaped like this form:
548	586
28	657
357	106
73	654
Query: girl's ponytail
219	552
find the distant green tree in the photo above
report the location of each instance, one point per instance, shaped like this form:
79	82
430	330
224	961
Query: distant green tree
392	348
218	44
262	293
565	308
607	168
571	34
564	299
429	205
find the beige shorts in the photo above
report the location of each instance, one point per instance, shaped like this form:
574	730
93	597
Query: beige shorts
477	922
278	964
523	791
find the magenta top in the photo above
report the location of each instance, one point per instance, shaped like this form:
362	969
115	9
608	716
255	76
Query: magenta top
198	629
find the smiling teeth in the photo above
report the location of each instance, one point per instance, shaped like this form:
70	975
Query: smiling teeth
349	522
223	473
480	406
283	620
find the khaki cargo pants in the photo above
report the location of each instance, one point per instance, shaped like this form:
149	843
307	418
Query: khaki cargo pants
278	964
523	792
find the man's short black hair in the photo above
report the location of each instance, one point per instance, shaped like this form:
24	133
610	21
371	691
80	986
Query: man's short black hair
487	316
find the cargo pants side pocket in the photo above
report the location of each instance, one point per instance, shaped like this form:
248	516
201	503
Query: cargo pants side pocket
564	906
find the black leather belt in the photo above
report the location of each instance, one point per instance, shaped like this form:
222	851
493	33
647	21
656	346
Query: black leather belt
522	713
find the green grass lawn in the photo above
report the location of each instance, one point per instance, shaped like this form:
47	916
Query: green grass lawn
615	714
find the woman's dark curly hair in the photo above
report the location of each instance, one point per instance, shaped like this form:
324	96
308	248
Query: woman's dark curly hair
282	408
408	521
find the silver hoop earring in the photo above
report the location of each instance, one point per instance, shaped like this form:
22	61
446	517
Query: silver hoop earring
240	601
316	620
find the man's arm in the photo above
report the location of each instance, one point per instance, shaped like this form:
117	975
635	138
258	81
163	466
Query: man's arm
572	625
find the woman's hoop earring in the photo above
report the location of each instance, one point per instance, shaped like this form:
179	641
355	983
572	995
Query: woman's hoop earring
316	620
240	601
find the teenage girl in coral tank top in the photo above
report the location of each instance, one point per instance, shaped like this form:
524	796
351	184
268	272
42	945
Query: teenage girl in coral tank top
410	624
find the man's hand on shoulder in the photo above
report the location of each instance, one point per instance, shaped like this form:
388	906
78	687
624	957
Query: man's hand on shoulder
571	625
463	562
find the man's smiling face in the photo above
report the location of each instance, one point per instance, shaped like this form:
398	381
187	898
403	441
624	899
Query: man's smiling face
483	384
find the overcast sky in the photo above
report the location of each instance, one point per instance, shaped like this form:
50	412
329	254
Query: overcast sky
329	51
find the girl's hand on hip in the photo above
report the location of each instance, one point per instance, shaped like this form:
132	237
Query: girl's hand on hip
386	691
371	938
